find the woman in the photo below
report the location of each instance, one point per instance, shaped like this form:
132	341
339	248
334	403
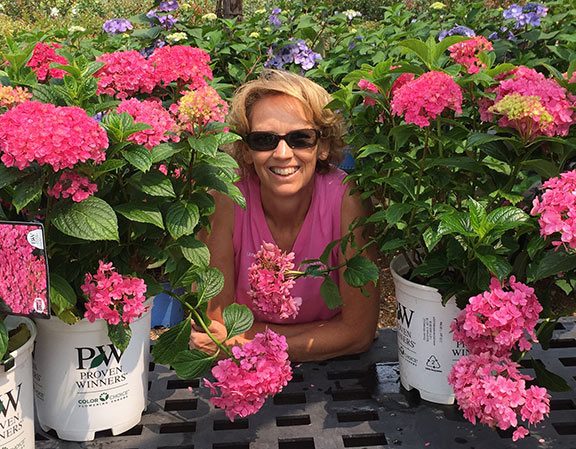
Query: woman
295	199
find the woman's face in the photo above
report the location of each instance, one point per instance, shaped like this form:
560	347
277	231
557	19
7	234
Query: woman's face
283	171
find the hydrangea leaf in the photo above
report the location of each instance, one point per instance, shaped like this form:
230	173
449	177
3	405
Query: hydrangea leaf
330	293
172	342
237	318
210	284
92	219
192	363
119	335
27	191
182	218
359	271
194	251
139	157
3	339
62	295
155	184
141	213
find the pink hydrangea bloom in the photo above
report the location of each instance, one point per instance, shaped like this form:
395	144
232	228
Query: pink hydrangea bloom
400	81
466	53
368	87
124	74
113	297
557	209
175	173
270	284
182	64
72	185
525	113
555	99
261	368
499	319
152	113
491	389
11	96
426	97
22	272
42	56
199	107
60	136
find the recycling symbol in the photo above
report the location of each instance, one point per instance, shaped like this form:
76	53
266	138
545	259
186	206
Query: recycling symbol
433	362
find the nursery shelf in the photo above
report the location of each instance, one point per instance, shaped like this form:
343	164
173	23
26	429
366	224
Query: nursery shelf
349	402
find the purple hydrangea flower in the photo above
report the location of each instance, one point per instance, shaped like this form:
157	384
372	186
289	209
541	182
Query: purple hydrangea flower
152	14
297	52
513	12
459	30
352	44
147	52
274	19
168	5
117	26
529	14
167	22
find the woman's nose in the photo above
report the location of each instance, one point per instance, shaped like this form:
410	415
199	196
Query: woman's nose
283	150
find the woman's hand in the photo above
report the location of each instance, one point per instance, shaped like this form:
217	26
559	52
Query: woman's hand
201	341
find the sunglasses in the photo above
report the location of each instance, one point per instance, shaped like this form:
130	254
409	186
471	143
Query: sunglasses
297	139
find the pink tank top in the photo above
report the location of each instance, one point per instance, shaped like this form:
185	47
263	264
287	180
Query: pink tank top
321	226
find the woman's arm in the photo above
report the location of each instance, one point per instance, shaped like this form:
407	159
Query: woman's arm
350	332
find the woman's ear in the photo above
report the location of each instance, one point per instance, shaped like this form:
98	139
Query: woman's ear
247	155
323	152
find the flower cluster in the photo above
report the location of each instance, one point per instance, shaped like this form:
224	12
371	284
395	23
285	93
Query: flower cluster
466	53
367	86
491	389
296	52
553	98
426	97
274	19
125	73
458	30
261	368
200	106
497	320
487	383
529	14
117	26
152	113
60	136
181	64
11	96
22	271
43	56
557	209
113	297
72	185
350	14
270	284
525	113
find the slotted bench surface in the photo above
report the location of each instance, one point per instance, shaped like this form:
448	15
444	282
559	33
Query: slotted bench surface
349	402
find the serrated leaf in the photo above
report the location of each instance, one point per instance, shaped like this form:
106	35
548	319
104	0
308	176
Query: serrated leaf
155	184
138	157
119	335
508	217
359	271
91	219
62	295
477	216
9	176
417	47
547	379
552	263
223	160
430	267
181	219
544	168
455	223
210	284
431	238
327	251
496	265
171	342
164	151
392	245
195	251
330	293
108	166
27	191
238	319
396	211
207	145
3	340
141	213
147	33
403	183
480	139
192	363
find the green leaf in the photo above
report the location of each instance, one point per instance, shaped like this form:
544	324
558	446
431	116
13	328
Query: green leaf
403	183
97	361
401	135
547	379
327	251
545	331
92	219
164	151
417	47
119	335
210	284
9	176
330	293
108	166
154	183
508	217
27	191
238	319
359	271
552	263
396	211
141	213
195	251
171	342
138	157
193	363
477	216
207	145
496	265
181	219
480	139
430	267
455	223
431	238
147	33
3	339
62	295
544	168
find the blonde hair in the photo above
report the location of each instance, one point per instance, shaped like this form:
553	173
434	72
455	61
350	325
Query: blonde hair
313	97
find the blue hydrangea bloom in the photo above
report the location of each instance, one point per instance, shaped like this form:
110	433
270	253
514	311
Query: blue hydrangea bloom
274	19
168	5
116	26
459	30
529	14
297	52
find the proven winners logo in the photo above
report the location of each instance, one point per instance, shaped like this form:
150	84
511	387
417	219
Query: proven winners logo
10	420
100	378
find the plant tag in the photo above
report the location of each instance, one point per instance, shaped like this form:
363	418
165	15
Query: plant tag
23	270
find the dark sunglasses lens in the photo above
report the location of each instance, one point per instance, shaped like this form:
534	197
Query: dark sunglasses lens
302	138
262	141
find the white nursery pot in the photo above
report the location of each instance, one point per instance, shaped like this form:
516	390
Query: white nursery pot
83	384
426	349
17	410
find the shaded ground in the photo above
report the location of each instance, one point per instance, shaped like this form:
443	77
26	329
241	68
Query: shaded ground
387	298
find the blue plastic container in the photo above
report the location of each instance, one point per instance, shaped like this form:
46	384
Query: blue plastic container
166	310
348	163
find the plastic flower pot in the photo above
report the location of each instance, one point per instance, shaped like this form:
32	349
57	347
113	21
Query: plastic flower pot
167	311
84	384
16	397
426	350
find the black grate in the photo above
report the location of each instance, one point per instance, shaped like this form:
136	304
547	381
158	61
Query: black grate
350	402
